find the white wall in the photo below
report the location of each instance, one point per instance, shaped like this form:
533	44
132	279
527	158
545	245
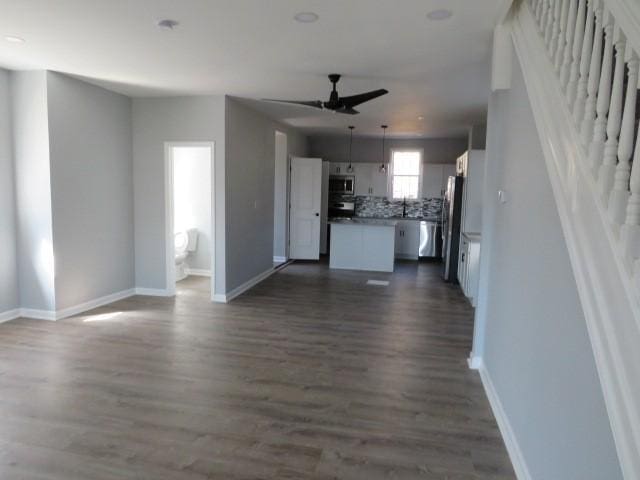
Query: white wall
160	120
281	202
535	346
8	232
192	200
91	188
33	190
250	147
368	149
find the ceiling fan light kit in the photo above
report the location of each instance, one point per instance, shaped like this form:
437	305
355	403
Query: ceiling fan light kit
336	103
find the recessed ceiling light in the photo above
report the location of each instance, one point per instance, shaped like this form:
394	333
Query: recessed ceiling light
440	14
13	39
168	24
306	17
420	117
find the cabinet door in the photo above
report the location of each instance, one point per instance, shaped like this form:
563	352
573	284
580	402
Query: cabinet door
363	178
412	239
473	271
378	182
431	180
338	168
462	264
399	246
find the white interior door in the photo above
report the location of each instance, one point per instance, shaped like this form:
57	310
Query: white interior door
304	213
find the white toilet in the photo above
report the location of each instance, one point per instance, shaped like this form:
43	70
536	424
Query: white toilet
185	243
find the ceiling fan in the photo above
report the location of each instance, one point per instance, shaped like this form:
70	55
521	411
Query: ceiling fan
337	103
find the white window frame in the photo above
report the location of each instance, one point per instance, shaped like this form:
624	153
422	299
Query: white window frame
391	175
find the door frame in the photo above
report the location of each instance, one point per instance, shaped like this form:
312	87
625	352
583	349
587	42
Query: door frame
169	246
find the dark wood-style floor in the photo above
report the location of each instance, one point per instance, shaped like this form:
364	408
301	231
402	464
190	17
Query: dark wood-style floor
310	375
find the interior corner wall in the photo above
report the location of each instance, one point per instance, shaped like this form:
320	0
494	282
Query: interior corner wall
250	168
335	148
173	119
91	190
536	348
9	299
36	263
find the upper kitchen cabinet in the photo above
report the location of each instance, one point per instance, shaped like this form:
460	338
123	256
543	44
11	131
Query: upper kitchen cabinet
471	166
363	178
369	181
339	168
379	181
435	177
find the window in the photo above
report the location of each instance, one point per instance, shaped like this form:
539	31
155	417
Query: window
406	174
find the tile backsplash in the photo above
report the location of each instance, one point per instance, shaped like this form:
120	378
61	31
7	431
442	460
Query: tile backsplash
382	207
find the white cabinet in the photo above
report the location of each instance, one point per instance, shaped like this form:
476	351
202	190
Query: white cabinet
471	166
363	178
469	266
407	239
379	182
339	168
435	177
369	180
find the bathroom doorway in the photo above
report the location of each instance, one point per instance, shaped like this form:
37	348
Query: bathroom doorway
189	232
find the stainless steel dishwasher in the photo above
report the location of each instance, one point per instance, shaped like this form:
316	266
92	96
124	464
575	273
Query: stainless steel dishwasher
429	241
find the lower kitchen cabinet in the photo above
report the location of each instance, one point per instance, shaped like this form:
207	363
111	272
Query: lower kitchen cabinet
469	265
407	239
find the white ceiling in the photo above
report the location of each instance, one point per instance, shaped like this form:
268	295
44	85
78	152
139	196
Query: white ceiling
254	49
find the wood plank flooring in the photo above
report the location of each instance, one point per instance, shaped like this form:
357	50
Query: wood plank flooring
311	375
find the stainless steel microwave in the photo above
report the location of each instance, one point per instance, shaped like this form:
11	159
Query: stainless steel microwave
345	184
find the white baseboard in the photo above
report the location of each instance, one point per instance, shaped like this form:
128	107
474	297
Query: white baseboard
508	435
474	362
9	315
198	272
224	298
153	292
279	259
38	314
95	303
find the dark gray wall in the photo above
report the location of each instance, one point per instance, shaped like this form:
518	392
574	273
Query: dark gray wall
91	190
368	149
536	348
250	167
8	258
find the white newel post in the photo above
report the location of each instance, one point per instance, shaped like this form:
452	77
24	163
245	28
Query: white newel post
555	31
572	85
608	167
620	193
566	60
585	63
586	128
596	149
562	34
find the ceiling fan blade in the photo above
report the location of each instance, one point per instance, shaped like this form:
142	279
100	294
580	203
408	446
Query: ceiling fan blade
312	103
354	100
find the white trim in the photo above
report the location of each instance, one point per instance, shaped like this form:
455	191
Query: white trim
244	287
170	267
199	272
474	362
279	259
508	435
390	175
154	292
95	303
10	315
605	284
38	314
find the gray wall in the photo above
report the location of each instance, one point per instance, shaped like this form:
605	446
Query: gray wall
160	120
250	150
8	232
92	190
536	348
33	190
369	149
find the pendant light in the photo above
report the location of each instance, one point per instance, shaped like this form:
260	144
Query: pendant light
383	167
350	167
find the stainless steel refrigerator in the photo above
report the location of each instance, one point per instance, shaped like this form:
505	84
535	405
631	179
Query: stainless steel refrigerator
451	217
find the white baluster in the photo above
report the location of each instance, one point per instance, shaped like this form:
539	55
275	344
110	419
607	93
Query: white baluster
562	40
555	31
586	129
540	14
566	60
620	193
572	85
608	167
596	148
548	29
585	61
630	231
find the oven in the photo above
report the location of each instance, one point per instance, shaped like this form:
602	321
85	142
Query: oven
339	209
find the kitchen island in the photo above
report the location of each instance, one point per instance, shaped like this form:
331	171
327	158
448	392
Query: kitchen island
362	244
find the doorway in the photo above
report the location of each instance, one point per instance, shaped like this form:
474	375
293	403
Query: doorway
280	200
189	222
